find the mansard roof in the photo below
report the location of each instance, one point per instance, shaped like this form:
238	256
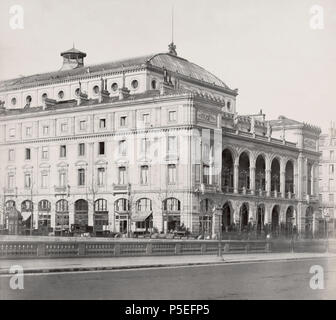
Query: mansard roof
169	61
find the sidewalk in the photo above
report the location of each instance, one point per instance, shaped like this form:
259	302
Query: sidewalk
120	263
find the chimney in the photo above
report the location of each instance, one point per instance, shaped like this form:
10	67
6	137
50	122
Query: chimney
103	93
123	91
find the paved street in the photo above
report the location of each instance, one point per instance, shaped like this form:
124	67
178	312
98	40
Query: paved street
249	280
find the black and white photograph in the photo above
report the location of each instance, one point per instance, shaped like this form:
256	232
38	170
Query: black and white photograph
167	151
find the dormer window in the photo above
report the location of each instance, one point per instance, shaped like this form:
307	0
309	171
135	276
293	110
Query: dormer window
135	84
114	86
28	99
95	89
61	94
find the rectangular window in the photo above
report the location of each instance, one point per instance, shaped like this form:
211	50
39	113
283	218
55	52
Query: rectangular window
12	132
331	185
331	169
82	125
45	130
101	177
102	123
64	127
206	175
171	173
28	131
62	151
45	153
172	116
331	155
44	180
331	198
10	181
101	148
11	154
81	149
27	154
145	145
27	180
122	175
81	177
122	147
172	146
123	121
144	175
197	173
145	118
62	179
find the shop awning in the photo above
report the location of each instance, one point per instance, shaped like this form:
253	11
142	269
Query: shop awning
138	217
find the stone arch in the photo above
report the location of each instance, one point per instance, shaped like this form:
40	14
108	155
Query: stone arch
260	217
244	170
275	219
233	151
290	220
227	216
244	216
81	213
227	169
275	174
260	173
289	176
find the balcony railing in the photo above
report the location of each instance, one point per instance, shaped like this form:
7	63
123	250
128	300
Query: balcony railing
275	194
244	191
227	189
311	198
10	191
290	195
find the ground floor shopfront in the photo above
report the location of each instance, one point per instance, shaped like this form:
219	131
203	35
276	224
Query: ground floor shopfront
207	215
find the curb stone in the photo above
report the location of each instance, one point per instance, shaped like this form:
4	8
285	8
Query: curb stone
167	265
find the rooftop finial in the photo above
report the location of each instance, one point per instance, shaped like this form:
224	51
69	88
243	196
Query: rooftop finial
172	24
172	46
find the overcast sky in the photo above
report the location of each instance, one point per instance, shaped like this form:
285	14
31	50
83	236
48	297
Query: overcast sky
265	48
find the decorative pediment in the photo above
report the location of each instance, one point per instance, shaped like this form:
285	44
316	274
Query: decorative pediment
81	163
27	167
62	164
44	166
101	163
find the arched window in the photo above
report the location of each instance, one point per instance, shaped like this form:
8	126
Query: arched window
10	204
26	206
144	204
62	206
172	205
100	205
121	205
81	205
44	205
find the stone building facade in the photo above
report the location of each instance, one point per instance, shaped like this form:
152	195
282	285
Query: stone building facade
147	143
327	176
